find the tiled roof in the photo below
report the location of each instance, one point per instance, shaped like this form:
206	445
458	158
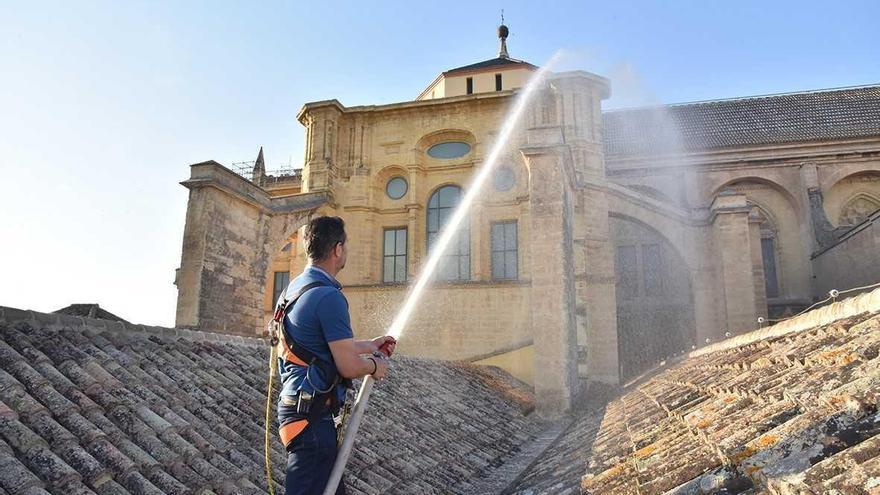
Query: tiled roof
796	413
486	64
774	119
91	310
93	406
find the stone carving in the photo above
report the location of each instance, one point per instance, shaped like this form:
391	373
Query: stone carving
856	210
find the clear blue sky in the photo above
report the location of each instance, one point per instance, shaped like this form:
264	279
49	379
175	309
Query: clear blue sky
104	104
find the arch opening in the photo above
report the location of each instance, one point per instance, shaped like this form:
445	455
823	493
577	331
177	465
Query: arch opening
655	302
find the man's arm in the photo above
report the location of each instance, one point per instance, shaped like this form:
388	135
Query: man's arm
365	346
336	325
350	364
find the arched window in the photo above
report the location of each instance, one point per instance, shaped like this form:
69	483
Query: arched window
768	253
455	264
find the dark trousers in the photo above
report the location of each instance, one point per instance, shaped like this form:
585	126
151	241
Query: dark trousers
310	458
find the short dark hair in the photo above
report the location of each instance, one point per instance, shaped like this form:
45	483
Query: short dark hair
322	235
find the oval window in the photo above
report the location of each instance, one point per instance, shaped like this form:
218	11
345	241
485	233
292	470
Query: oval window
449	150
504	179
396	188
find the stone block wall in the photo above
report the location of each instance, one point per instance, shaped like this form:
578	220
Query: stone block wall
232	226
452	321
859	251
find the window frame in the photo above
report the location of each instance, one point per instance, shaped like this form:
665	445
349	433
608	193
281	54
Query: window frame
504	250
469	85
771	241
395	255
498	84
436	146
405	187
276	292
464	230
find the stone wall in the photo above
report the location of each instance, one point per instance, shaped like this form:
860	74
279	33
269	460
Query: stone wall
232	227
858	251
452	321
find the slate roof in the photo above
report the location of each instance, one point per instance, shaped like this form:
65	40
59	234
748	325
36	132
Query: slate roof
94	406
774	119
790	414
505	62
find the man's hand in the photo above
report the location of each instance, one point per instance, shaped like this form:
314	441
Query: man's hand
385	345
350	363
381	367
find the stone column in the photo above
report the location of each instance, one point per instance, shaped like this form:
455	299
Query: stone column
600	297
733	252
578	104
322	121
823	231
552	293
480	245
412	240
757	263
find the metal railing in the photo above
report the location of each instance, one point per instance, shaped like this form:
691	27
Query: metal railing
246	170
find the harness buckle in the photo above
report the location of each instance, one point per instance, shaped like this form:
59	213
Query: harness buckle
303	402
274	331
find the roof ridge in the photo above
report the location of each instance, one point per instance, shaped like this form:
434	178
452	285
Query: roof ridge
59	321
742	98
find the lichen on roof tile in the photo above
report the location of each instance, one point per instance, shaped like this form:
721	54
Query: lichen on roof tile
796	413
133	416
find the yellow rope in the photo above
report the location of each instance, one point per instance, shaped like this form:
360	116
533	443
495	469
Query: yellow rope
273	362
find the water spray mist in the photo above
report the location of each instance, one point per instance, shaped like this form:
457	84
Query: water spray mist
427	272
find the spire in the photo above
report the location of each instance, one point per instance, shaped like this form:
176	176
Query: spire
259	169
502	36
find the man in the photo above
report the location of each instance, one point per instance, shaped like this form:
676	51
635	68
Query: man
319	356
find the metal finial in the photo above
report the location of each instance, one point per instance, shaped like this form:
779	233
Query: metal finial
502	38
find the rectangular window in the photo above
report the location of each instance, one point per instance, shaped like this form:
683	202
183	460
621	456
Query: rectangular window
627	270
504	251
497	82
282	280
652	269
470	85
771	283
394	256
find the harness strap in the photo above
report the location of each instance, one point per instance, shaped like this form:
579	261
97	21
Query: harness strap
289	431
290	349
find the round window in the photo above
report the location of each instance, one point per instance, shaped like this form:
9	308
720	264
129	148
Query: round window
504	179
396	188
449	150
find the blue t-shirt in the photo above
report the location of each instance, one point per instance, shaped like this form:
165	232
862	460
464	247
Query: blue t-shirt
319	316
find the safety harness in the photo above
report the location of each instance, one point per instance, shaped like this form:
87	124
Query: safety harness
288	349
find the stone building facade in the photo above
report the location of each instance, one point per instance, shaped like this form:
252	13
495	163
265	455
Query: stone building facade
604	243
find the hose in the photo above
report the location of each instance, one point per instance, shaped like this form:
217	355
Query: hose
273	363
354	422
